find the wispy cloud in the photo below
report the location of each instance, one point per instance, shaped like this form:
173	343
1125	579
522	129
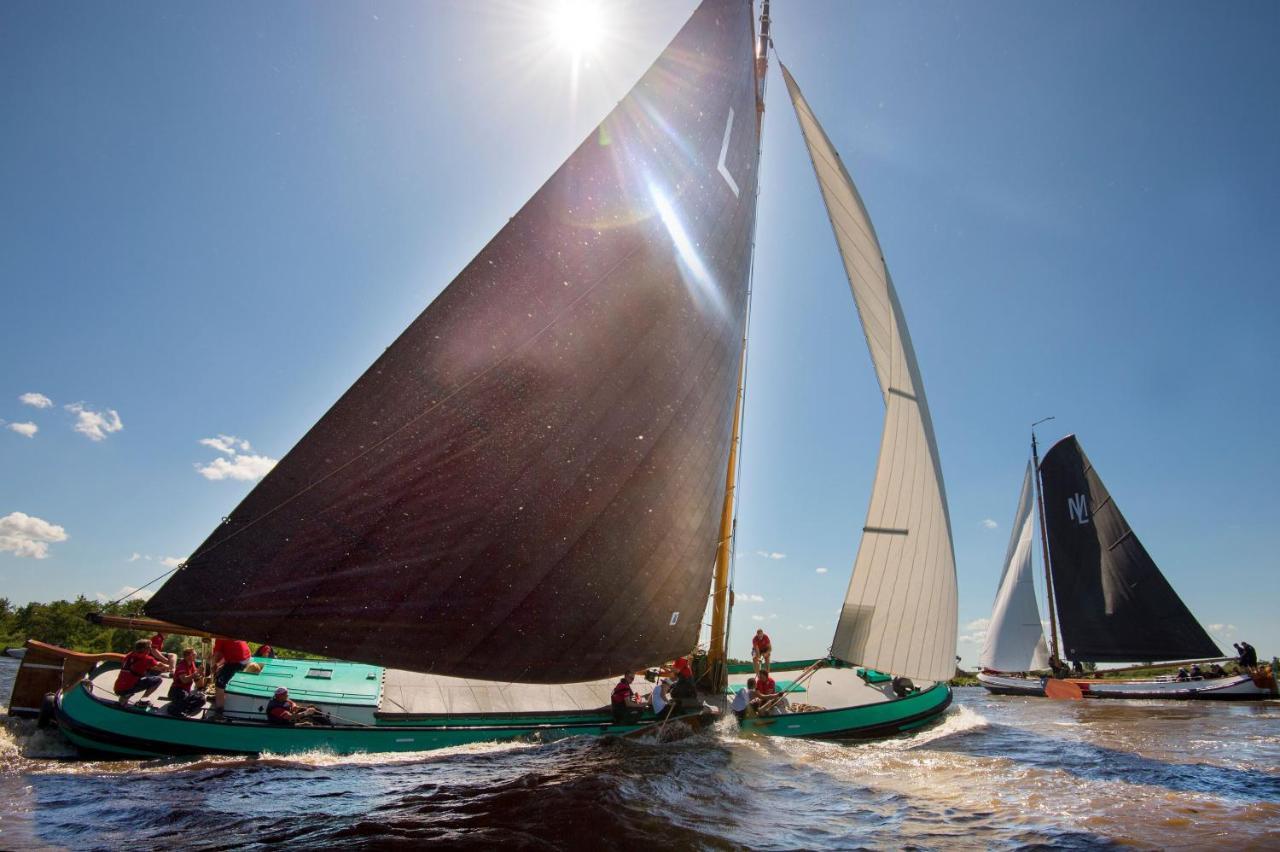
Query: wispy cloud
757	618
1223	631
978	624
752	598
94	425
25	535
771	554
821	570
989	524
237	462
167	561
126	591
805	626
35	400
28	430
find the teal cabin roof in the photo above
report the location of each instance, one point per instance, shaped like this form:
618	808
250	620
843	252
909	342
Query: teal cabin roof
326	681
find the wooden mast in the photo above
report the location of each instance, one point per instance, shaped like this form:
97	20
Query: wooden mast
721	594
1044	543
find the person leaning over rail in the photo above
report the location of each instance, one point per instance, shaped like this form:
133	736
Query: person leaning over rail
139	673
229	657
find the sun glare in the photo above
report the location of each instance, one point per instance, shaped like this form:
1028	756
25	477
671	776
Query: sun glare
577	25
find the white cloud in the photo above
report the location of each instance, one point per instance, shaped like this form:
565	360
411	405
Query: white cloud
24	535
239	463
753	598
135	557
1223	631
757	618
978	624
805	626
171	562
229	444
773	615
820	570
767	554
989	524
28	430
35	400
94	425
126	591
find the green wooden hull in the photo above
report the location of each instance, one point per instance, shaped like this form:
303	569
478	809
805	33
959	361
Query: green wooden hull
882	719
100	727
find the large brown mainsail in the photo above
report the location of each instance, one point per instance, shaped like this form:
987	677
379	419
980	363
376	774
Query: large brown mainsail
525	485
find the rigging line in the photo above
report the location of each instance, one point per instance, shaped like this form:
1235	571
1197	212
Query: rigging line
148	583
483	373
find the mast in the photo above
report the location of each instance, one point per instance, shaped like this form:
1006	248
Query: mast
721	593
1044	543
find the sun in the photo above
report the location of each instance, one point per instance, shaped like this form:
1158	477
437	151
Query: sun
577	25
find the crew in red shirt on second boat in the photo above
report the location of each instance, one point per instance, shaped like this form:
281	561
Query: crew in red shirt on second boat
185	698
229	657
761	650
139	673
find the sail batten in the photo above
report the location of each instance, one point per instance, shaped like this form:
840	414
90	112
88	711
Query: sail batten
524	485
899	614
1114	604
1015	637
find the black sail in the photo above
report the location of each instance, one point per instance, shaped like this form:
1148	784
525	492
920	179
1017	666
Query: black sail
1114	605
527	484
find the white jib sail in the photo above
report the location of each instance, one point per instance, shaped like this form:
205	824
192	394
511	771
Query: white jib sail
899	614
1015	637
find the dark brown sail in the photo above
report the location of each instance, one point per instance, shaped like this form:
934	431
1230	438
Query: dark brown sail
1114	605
526	485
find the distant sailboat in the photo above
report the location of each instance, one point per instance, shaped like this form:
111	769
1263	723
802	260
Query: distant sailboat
1111	600
526	493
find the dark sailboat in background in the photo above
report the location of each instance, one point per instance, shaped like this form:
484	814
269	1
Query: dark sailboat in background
526	493
1109	597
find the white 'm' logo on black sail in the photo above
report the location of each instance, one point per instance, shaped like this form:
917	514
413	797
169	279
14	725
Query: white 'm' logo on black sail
1078	509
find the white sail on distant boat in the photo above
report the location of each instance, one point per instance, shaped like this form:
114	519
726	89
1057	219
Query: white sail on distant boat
1015	637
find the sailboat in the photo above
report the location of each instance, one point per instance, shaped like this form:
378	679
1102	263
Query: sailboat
527	493
1106	593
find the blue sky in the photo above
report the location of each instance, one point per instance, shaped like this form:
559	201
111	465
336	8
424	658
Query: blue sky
214	218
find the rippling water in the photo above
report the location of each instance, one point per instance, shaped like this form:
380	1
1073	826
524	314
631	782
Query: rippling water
996	772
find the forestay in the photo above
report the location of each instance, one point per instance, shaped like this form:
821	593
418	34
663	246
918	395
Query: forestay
526	484
899	614
1015	637
1114	605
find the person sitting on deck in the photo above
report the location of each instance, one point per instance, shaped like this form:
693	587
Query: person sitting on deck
229	657
1216	670
625	704
660	698
761	650
742	699
138	673
1196	674
767	701
265	652
1182	674
184	696
282	711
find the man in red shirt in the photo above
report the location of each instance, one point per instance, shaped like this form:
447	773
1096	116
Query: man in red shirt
229	657
761	650
282	711
138	673
624	702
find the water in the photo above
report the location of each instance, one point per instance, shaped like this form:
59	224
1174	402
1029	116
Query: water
995	773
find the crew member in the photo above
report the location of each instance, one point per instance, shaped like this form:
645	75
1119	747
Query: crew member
282	711
229	657
624	702
184	696
1248	655
684	693
138	673
742	700
265	651
761	650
